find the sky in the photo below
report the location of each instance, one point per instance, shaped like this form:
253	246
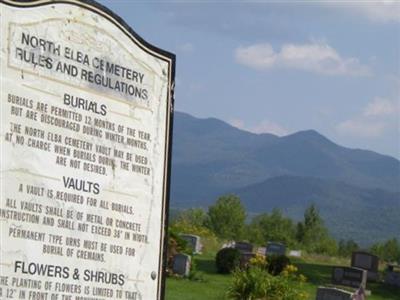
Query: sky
282	67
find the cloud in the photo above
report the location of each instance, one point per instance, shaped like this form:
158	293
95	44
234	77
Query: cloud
316	57
259	56
382	107
361	128
377	116
265	126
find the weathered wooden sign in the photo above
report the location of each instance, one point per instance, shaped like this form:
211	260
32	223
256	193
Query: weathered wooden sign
85	149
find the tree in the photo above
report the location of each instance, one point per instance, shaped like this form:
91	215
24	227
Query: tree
227	217
346	248
388	251
272	227
392	250
196	217
312	218
313	234
192	221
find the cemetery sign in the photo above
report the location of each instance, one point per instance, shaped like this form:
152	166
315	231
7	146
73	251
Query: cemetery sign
86	122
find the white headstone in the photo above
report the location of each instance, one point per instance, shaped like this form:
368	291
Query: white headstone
295	253
194	242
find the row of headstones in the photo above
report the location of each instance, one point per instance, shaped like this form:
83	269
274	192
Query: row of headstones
364	267
182	262
247	250
272	248
370	263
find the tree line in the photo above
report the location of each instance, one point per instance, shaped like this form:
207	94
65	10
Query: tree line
227	219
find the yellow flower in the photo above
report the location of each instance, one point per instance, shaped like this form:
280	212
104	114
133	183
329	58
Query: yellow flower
291	269
258	260
302	278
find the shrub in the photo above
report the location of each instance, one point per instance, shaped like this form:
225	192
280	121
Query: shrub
277	263
258	261
227	260
257	283
251	283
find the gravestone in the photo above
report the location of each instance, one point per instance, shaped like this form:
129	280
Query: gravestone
274	248
349	276
230	244
295	253
393	275
261	251
324	293
193	242
245	259
366	261
244	247
181	265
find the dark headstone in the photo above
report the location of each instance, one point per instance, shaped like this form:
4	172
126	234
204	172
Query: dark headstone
244	247
366	261
324	293
393	275
275	248
245	259
348	276
193	242
181	265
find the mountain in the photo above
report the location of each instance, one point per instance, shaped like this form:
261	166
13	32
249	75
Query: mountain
219	157
211	158
364	215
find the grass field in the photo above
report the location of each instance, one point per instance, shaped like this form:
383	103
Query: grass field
214	286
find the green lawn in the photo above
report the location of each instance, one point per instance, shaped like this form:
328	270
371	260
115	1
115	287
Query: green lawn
214	286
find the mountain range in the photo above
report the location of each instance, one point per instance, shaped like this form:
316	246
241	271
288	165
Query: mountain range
357	191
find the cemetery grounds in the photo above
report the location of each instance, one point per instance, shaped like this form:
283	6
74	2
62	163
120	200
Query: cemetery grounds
208	284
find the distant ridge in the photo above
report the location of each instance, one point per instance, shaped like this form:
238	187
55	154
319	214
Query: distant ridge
364	215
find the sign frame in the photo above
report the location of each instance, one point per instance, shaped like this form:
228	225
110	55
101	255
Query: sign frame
161	54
